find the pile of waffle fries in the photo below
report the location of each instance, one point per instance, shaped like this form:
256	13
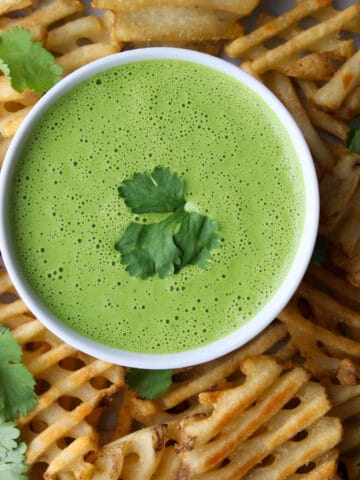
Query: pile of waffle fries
287	404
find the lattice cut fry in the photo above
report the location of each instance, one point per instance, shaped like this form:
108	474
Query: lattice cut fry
265	427
70	385
317	327
7	6
175	24
243	44
188	384
241	7
321	468
303	41
334	92
133	457
46	14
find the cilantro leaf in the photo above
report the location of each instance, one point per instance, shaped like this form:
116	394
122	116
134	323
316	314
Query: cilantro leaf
163	248
158	192
12	453
149	383
319	255
26	63
16	382
197	236
150	249
353	140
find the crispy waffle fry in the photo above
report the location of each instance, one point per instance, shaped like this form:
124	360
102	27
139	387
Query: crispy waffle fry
70	386
47	14
175	24
201	378
7	6
251	434
135	456
241	45
333	93
241	7
302	41
321	348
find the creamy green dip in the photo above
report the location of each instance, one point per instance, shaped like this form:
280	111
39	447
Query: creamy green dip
239	167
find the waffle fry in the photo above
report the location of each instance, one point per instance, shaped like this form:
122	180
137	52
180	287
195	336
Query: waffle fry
239	7
175	24
7	6
135	456
70	386
301	42
333	93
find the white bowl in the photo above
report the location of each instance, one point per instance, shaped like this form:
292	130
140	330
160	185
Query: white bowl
216	348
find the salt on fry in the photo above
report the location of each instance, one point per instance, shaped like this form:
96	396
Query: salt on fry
241	45
240	7
175	24
333	93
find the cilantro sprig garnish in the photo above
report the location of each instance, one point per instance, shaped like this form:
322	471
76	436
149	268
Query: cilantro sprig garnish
17	397
149	384
26	63
353	140
164	247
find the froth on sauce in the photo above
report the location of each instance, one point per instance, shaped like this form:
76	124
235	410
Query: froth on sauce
239	167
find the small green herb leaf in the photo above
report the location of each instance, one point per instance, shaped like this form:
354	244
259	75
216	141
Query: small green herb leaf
158	192
26	63
150	249
319	255
12	452
163	248
17	394
149	383
353	140
197	236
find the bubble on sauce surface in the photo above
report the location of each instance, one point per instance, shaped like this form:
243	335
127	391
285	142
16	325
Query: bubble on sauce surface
202	138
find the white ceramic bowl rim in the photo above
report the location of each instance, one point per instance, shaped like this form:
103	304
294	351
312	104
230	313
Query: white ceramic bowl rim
216	348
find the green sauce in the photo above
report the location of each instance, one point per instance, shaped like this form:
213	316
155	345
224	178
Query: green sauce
239	167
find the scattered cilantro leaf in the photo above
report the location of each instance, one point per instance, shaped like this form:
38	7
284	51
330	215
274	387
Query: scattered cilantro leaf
25	63
12	453
149	383
150	249
197	236
167	246
16	382
353	140
319	255
8	438
158	192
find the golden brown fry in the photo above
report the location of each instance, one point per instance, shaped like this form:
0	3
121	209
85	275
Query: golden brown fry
333	93
326	122
11	122
337	188
7	6
313	66
241	7
175	24
304	40
4	145
83	55
241	45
